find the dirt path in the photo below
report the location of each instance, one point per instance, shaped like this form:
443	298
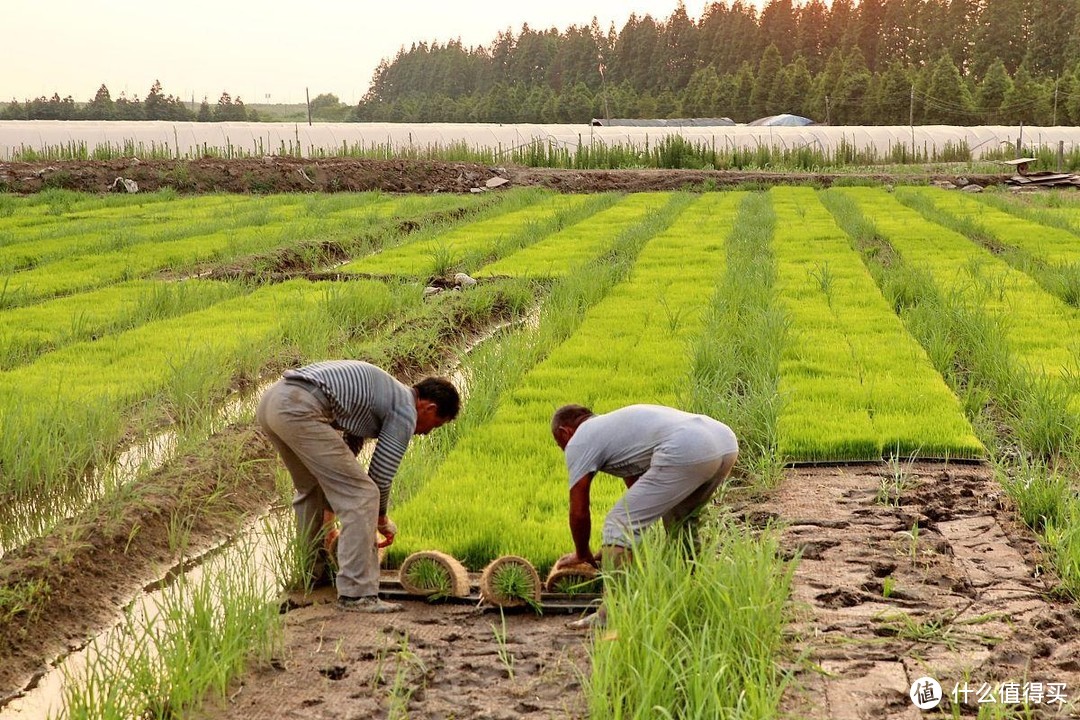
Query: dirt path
427	662
942	584
284	174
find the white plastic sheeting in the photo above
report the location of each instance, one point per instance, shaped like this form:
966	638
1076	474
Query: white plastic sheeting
191	138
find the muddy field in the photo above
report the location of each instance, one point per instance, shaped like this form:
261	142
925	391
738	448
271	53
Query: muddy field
277	174
969	601
903	573
937	580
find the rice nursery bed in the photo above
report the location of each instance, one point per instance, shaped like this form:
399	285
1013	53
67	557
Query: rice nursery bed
879	335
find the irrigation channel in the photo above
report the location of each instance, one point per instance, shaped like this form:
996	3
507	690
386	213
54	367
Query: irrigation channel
257	551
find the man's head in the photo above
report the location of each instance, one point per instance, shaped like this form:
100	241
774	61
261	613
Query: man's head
565	422
437	403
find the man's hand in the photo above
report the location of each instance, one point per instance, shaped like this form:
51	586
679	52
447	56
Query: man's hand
573	559
387	529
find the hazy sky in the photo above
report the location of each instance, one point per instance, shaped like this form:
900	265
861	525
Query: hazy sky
254	48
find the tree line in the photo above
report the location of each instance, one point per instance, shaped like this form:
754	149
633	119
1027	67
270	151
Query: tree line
155	106
875	62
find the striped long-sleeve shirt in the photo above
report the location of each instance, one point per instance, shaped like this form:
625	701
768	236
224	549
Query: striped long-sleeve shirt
368	402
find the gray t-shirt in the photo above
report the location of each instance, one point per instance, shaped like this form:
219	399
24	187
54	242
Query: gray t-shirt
627	442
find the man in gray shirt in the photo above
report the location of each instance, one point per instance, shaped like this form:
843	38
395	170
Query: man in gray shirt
318	417
671	461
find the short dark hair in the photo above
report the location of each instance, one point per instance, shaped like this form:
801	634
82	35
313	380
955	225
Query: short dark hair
441	392
570	416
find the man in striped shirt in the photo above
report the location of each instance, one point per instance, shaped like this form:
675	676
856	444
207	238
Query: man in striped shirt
317	417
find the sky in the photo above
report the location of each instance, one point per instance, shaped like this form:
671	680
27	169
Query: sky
259	50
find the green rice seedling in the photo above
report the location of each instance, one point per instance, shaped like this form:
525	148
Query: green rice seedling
505	656
856	384
434	575
577	585
511	581
289	557
410	675
935	628
532	217
893	486
68	412
1008	333
26	598
431	576
622	350
443	261
287	223
557	254
734	371
30	331
1063	540
1043	495
694	638
971	216
169	660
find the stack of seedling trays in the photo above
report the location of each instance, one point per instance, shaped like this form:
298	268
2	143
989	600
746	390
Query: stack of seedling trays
509	583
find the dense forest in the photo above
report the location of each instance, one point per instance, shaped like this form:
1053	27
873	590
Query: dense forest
875	62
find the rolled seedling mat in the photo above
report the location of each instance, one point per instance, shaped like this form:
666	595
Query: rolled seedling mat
499	571
578	579
443	575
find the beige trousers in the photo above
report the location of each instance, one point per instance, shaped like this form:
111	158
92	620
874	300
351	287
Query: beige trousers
326	475
674	494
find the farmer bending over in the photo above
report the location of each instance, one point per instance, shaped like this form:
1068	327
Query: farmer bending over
672	462
305	414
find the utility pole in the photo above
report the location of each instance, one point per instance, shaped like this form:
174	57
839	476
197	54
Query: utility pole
1055	101
911	121
827	120
307	95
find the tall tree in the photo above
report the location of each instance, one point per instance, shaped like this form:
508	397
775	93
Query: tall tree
1051	25
702	95
892	97
800	83
810	33
636	53
994	88
679	48
869	23
154	104
101	107
730	37
778	28
128	109
852	98
1002	32
769	74
1028	101
947	100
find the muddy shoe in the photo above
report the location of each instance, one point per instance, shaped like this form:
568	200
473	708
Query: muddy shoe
367	604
